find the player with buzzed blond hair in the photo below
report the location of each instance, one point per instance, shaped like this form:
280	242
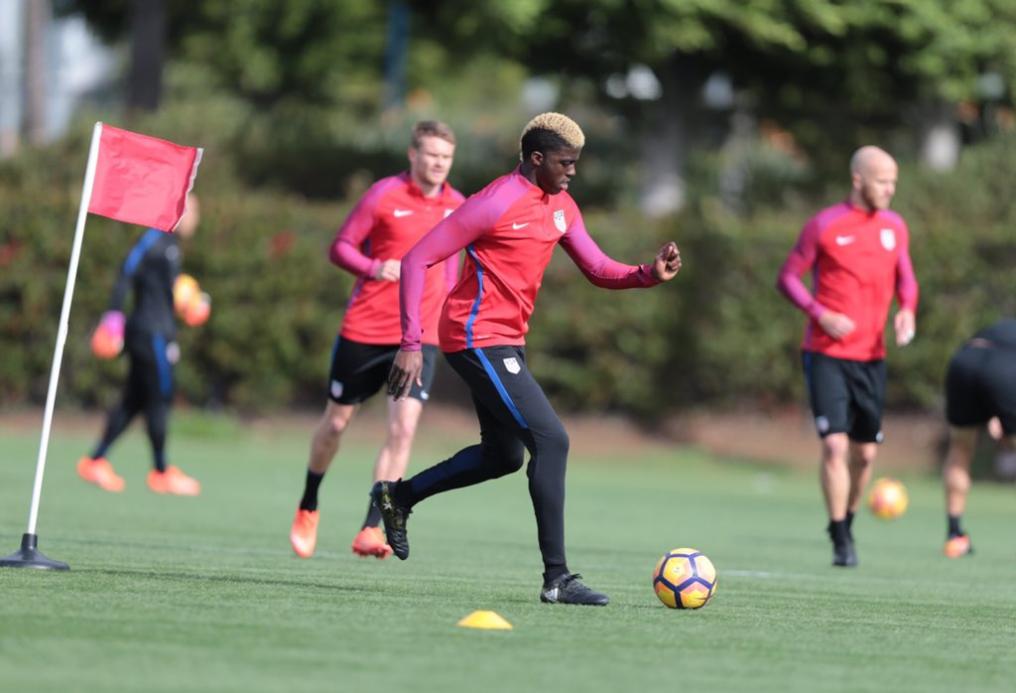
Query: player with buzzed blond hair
509	231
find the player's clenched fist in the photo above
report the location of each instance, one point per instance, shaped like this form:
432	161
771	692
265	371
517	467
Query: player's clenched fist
667	263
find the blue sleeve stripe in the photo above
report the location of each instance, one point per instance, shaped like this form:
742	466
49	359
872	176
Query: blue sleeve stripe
479	297
137	253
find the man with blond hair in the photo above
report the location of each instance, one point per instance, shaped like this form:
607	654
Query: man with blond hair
858	253
509	231
390	217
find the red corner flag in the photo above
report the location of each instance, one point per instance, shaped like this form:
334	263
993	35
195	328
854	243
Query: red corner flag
142	180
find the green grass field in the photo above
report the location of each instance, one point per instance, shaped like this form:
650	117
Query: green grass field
201	594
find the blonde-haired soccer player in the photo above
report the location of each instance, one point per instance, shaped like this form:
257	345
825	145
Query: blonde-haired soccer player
390	217
509	231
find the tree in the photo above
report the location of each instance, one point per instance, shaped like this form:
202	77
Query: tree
148	38
834	71
37	21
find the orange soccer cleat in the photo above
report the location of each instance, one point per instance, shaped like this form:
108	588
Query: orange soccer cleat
174	482
371	542
101	473
303	534
958	546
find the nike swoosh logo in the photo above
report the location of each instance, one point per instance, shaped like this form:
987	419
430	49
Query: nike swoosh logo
402	213
516	227
844	240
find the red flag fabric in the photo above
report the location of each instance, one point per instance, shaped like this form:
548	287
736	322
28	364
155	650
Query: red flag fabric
142	180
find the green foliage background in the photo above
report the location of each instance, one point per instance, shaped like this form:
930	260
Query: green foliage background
292	102
719	334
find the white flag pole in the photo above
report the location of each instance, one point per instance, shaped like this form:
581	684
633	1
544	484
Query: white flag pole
29	556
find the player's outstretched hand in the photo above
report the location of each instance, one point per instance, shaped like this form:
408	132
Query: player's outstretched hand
406	370
389	271
667	263
905	326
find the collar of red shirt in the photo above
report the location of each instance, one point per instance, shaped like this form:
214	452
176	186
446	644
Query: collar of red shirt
860	210
415	191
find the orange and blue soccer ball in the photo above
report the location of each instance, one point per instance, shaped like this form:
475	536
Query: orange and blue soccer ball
684	579
888	499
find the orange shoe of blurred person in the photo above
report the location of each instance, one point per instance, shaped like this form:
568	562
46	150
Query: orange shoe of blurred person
173	481
371	542
957	547
303	534
101	473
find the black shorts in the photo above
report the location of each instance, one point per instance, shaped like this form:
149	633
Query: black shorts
846	396
359	370
980	384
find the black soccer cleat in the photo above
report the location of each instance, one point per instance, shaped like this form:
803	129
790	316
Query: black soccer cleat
844	554
394	517
568	589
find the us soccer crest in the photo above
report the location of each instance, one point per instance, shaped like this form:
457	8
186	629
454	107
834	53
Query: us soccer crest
512	365
559	221
888	237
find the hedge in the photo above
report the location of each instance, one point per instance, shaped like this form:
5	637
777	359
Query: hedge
719	334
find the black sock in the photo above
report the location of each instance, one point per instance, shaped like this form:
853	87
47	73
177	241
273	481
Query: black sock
838	531
160	460
850	521
402	493
954	526
373	518
550	575
309	500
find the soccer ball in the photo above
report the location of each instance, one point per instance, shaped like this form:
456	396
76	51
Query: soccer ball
684	579
888	499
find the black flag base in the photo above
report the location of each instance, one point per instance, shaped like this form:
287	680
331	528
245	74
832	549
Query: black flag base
29	556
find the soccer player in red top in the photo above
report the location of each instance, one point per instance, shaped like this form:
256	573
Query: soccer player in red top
509	231
387	221
858	254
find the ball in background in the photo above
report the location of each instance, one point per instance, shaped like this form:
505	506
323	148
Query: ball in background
684	579
185	290
888	499
197	311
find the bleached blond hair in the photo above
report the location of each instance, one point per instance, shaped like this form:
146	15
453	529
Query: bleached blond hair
557	124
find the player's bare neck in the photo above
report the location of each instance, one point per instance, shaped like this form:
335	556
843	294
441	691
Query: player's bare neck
858	202
528	172
427	190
